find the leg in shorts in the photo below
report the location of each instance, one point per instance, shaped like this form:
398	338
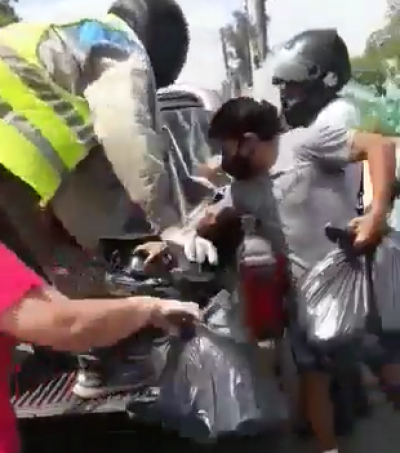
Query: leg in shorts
340	364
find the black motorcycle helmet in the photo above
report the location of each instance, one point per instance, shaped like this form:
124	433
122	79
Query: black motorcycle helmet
310	69
162	28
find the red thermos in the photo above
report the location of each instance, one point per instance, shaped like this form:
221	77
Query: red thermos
263	284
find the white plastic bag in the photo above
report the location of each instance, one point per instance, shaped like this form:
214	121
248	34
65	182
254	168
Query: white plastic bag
333	299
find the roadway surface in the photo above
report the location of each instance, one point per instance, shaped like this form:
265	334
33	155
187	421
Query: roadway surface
378	434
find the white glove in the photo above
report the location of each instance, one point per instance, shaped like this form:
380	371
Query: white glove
200	250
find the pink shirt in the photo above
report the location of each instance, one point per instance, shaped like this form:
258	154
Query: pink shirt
15	281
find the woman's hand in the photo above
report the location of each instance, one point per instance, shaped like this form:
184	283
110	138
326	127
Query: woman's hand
171	314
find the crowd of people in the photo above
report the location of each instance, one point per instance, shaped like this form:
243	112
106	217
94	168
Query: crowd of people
298	179
294	170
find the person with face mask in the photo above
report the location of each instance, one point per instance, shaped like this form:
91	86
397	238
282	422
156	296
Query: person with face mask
237	156
310	70
294	183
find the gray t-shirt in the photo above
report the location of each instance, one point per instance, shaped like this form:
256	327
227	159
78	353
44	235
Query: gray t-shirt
304	191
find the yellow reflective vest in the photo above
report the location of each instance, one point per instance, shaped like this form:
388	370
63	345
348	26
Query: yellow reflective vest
44	130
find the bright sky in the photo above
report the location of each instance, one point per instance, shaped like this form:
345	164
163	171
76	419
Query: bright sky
354	19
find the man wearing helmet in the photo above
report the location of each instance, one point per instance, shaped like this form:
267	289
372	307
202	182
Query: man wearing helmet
310	70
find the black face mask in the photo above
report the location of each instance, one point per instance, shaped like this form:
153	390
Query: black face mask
303	111
297	115
237	166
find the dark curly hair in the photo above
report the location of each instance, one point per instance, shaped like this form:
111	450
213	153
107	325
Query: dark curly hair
242	115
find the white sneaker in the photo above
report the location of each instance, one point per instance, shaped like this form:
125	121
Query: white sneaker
119	371
89	386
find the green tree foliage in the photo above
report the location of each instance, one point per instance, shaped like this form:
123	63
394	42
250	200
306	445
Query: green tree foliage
377	71
381	57
8	14
386	41
369	70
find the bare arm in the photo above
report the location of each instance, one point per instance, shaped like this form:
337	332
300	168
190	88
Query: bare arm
47	318
380	152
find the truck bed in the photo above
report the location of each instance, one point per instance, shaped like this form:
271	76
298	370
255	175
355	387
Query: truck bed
41	388
54	398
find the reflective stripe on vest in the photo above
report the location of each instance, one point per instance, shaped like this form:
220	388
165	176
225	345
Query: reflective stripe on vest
48	119
20	142
45	90
34	136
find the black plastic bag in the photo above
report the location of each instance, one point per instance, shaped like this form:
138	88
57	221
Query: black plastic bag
386	273
213	383
208	391
334	298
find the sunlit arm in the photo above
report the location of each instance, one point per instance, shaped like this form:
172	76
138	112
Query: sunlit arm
45	317
380	152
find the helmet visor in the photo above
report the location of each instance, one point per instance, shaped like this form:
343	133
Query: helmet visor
289	65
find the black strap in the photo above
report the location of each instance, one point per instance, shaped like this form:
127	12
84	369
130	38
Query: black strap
374	321
360	204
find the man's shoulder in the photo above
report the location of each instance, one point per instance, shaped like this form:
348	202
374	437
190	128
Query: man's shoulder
290	141
340	113
333	126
